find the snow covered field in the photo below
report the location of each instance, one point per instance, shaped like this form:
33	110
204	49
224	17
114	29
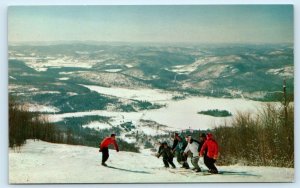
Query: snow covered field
97	125
42	162
57	62
40	108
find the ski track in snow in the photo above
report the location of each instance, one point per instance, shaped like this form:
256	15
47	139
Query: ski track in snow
42	162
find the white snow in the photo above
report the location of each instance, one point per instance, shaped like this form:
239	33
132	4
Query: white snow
65	61
97	125
276	52
151	131
113	70
42	162
64	78
137	94
40	108
203	61
41	69
45	92
11	77
82	52
33	89
66	72
72	93
12	87
127	139
287	71
257	94
178	66
19	54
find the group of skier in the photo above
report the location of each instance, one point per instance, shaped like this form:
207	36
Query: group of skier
206	147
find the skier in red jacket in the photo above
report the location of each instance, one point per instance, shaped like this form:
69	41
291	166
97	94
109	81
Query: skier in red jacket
104	147
212	153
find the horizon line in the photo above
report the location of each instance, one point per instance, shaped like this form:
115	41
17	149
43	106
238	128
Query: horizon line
11	43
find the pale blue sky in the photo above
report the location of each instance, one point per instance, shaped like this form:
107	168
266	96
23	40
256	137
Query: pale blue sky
199	24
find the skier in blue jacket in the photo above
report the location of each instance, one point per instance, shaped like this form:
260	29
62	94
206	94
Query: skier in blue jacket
178	147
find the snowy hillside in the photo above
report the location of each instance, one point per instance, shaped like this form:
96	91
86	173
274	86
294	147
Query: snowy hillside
42	162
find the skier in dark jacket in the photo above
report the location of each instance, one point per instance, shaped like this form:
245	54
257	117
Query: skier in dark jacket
167	154
161	147
212	153
104	147
178	147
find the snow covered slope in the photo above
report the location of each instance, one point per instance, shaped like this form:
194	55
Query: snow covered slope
42	162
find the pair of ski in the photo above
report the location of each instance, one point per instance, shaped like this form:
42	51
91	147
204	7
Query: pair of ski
186	172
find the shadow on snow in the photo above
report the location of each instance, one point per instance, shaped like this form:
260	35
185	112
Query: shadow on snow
237	173
126	170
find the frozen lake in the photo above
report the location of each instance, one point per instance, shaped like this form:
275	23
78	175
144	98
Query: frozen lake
183	114
178	114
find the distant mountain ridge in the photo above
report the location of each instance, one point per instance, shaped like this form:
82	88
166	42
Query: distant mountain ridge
213	70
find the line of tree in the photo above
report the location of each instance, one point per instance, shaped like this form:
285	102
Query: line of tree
24	125
28	125
264	139
216	113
